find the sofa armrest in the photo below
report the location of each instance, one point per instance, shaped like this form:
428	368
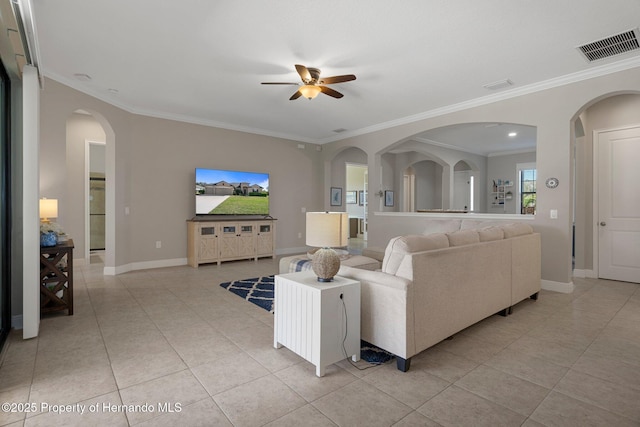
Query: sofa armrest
377	277
386	313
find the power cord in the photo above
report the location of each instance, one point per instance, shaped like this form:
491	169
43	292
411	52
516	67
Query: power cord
346	329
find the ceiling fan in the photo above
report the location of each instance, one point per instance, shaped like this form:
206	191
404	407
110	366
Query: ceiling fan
313	83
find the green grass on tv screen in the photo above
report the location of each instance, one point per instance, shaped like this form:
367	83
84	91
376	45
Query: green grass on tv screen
243	205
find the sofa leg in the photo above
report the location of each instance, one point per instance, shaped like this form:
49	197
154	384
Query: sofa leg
534	296
504	313
510	311
403	364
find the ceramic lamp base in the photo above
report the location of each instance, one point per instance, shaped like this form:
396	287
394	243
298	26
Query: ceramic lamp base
48	239
325	264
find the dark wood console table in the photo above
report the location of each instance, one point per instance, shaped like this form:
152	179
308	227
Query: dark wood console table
56	278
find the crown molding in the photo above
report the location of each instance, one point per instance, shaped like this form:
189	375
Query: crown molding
109	99
445	145
591	73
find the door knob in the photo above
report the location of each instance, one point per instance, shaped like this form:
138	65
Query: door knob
602	223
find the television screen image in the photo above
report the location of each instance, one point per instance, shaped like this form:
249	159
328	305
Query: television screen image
227	192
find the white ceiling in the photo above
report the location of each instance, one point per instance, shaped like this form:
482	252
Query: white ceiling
202	61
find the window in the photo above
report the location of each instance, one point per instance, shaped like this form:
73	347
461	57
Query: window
527	190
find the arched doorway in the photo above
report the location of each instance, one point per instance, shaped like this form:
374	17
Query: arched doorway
87	129
348	170
606	223
463	187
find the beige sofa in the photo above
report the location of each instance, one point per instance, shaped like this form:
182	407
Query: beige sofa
434	285
302	262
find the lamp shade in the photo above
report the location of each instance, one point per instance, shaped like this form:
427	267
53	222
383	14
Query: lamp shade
48	209
327	229
310	91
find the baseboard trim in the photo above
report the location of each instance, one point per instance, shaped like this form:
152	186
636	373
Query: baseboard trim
80	261
584	274
565	288
145	265
16	321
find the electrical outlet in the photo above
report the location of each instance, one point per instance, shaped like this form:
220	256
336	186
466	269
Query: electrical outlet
553	214
158	244
299	235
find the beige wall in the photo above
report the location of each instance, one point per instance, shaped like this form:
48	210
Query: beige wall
551	111
57	105
162	180
150	170
153	160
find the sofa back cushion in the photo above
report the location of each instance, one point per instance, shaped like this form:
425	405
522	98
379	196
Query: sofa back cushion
400	246
463	237
476	224
516	229
489	234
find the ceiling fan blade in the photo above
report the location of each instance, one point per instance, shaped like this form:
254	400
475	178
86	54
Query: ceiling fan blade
296	95
305	75
337	79
330	92
279	83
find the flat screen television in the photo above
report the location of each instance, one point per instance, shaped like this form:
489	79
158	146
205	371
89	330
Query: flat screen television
229	192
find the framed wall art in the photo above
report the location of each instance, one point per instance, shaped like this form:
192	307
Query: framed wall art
336	196
388	198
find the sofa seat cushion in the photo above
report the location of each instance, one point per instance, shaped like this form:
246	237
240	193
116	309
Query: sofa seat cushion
400	246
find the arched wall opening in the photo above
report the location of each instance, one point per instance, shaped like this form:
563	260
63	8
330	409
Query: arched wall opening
491	151
84	127
605	113
348	171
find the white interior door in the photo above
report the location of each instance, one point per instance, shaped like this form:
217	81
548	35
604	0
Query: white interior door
619	205
461	190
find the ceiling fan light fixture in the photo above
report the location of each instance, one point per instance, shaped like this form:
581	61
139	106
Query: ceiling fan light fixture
310	91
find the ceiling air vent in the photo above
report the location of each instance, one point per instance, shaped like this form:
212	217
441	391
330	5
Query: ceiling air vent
611	46
501	84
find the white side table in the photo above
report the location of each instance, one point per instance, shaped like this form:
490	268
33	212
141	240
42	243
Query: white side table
311	318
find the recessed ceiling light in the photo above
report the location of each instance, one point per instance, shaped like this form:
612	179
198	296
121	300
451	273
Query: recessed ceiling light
512	134
82	77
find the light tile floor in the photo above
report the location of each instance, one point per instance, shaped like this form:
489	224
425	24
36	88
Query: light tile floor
172	337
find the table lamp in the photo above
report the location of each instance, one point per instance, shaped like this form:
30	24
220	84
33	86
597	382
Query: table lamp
326	230
48	209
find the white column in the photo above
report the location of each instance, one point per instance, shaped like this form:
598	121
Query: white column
30	197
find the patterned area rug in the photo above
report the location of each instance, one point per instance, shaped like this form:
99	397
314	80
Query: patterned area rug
259	291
